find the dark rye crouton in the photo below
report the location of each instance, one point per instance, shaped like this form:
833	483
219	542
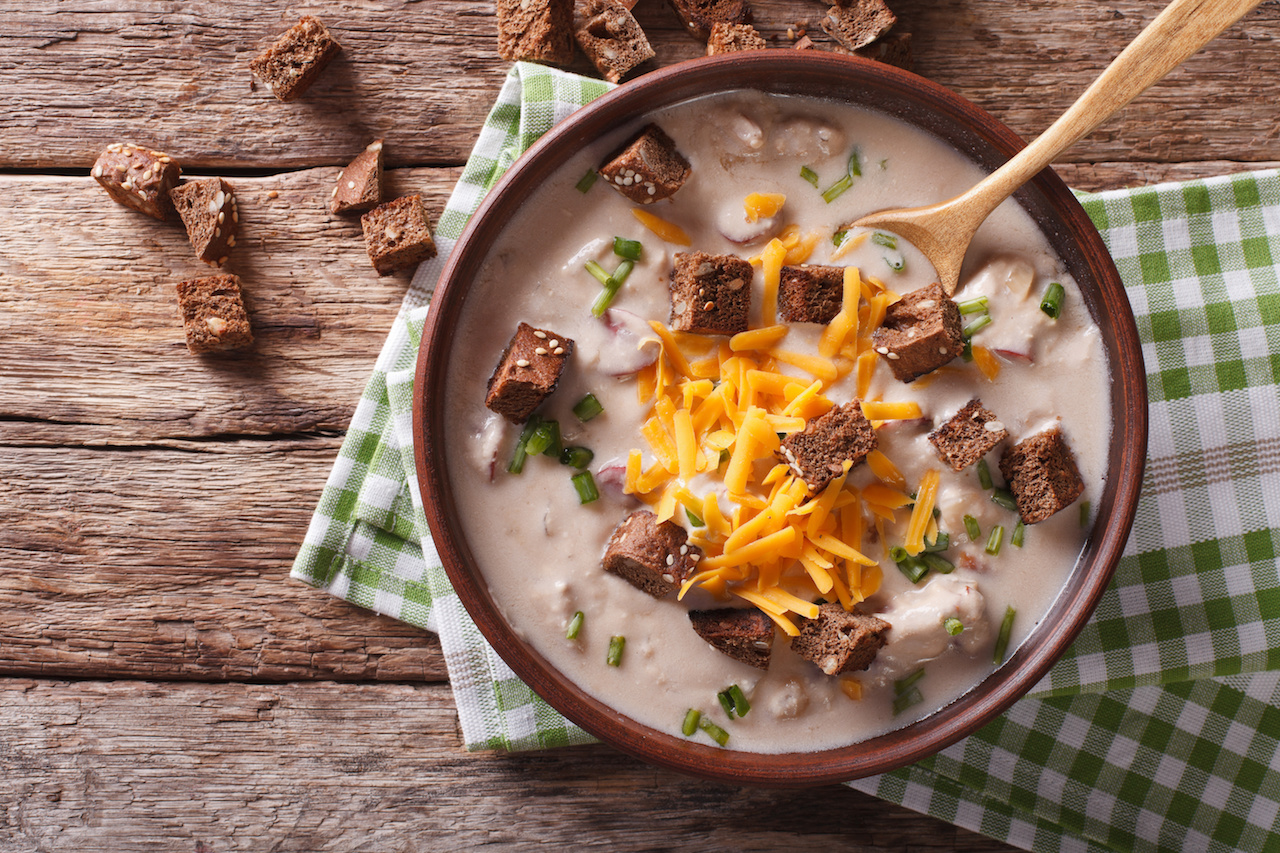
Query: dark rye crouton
655	558
710	294
611	38
733	38
700	16
920	333
858	23
209	212
213	314
359	186
648	169
296	59
744	634
893	49
818	453
397	234
138	177
536	31
968	436
527	372
810	294
840	641
1042	474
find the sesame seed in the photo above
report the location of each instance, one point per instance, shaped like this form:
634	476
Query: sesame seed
911	333
652	189
334	193
943	351
760	644
927	303
217	232
671	560
541	335
351	185
882	350
231	242
541	351
669	578
97	171
221	217
235	212
684	549
222	260
993	426
892	356
522	362
558	351
272	194
553	343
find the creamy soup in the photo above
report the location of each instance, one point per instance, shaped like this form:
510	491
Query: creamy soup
540	548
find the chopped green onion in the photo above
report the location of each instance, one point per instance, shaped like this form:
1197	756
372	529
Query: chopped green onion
938	563
611	287
587	181
809	175
598	271
984	474
1002	639
1051	304
587	408
966	354
629	249
616	645
906	700
897	553
575	625
837	189
1084	514
953	626
977	325
942	543
902	685
724	455
740	703
522	445
694	520
1019	530
882	239
577	457
838	237
995	540
690	724
973	306
1004	498
971	527
585	485
884	164
716	733
855	167
545	439
726	702
913	567
896	262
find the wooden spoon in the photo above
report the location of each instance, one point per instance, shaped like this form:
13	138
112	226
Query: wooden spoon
943	231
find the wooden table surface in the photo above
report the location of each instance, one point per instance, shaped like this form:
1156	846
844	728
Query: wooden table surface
165	686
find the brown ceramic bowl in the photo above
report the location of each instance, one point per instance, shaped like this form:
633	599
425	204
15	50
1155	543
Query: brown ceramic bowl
986	141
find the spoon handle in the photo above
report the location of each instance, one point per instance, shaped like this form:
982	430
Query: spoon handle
1180	30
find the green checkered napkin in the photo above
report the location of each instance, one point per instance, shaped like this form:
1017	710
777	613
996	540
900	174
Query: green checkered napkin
1158	730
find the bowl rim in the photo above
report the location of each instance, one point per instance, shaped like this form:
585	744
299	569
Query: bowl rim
787	70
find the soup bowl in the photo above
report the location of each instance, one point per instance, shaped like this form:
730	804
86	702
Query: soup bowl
979	137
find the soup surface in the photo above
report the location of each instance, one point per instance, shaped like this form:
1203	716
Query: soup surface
540	549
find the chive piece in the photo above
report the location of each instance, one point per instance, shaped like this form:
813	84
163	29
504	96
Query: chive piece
896	262
587	408
575	625
902	685
938	563
984	474
1004	498
545	439
576	457
973	306
855	164
838	237
971	527
616	645
1019	530
1051	304
690	724
837	189
585	485
882	239
598	272
556	445
977	325
716	733
995	540
953	626
611	287
587	181
1002	639
694	520
522	446
897	553
726	702
809	175
740	703
629	249
1084	514
942	543
913	567
906	700
966	354
724	455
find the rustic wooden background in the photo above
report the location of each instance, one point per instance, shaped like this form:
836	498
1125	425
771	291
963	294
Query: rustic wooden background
163	684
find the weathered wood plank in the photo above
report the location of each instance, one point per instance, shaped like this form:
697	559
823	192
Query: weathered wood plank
1095	177
75	76
91	329
173	563
131	767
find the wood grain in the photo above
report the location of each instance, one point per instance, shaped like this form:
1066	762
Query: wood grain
79	74
139	766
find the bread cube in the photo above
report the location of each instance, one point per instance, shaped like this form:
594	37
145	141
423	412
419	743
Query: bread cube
920	333
893	49
296	59
611	38
699	16
536	31
968	436
710	294
213	314
528	372
840	641
209	213
397	234
138	177
818	453
359	186
655	558
1042	474
857	23
744	634
649	169
732	38
810	294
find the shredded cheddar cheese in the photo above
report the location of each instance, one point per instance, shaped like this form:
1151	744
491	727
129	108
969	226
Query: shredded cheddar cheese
986	362
922	512
668	231
763	205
